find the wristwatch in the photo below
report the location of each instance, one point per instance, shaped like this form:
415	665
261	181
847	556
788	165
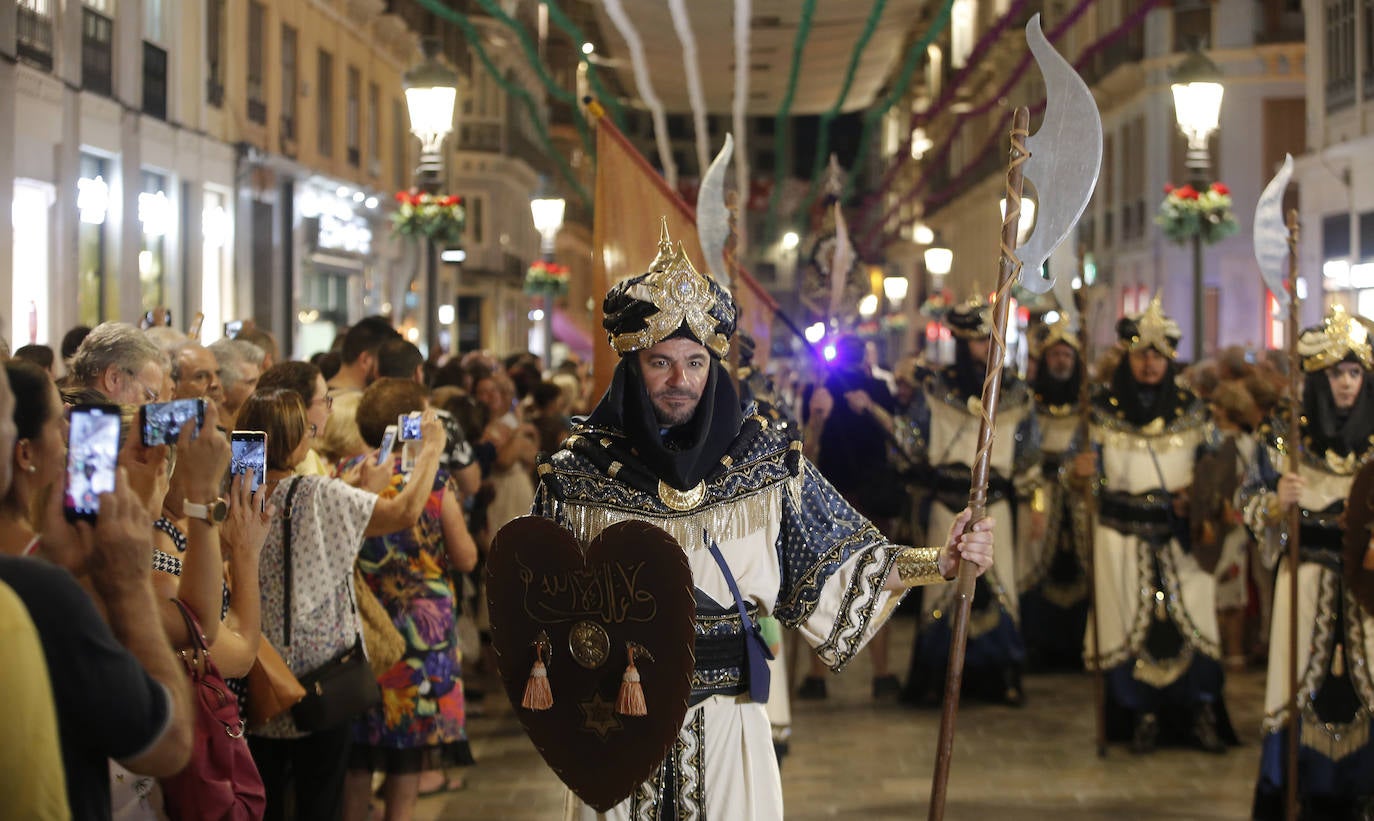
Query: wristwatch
213	512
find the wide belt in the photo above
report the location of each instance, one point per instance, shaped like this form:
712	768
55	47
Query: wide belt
951	485
721	667
1145	515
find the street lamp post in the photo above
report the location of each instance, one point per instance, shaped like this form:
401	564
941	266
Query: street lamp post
939	260
1197	105
548	219
431	91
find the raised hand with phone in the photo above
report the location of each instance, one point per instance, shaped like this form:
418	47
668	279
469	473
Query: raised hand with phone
194	575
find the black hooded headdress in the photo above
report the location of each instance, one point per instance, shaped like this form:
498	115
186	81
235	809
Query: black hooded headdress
1339	338
670	300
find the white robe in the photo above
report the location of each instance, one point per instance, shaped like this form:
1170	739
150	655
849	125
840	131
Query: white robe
724	754
1320	594
1124	590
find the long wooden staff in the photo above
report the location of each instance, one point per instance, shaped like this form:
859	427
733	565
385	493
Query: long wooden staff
1088	534
1294	440
1010	269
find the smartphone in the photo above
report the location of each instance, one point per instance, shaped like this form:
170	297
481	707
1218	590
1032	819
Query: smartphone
163	421
92	455
231	329
410	426
388	443
410	453
248	454
193	332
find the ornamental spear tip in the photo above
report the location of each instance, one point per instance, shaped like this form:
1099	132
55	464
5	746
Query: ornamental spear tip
1065	158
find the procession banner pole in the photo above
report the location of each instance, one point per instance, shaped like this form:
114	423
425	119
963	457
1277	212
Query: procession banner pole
1294	441
1010	269
1276	251
1063	158
1088	535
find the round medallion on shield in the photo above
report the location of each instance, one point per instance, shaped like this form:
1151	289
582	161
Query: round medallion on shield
589	644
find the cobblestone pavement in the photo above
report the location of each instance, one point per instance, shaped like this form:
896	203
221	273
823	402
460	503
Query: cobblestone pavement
852	758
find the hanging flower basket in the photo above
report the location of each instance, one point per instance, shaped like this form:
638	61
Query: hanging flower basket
1186	213
440	218
548	279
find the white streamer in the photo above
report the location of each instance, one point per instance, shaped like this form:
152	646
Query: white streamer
646	87
683	25
743	14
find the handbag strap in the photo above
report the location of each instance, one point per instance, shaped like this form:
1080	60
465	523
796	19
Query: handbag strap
287	565
756	650
198	645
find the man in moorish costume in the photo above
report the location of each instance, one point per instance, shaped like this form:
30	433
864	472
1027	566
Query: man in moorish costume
1156	605
670	444
1335	631
946	434
1051	572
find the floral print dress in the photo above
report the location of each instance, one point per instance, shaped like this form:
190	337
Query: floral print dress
420	723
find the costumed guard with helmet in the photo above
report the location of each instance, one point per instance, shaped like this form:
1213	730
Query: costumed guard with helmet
948	425
1159	643
762	534
1335	628
1052	572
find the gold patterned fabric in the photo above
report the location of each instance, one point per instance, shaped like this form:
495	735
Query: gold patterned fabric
1151	329
1338	337
917	566
645	310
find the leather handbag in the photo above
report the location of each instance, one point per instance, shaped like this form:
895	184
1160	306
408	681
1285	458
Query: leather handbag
385	644
221	781
272	687
341	688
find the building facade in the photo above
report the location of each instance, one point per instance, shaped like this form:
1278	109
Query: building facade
1336	188
1127	51
240	159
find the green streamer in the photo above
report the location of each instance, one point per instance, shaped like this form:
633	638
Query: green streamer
823	144
784	111
874	115
475	40
603	95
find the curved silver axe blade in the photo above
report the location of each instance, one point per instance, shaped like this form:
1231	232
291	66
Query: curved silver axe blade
1065	158
713	218
1271	233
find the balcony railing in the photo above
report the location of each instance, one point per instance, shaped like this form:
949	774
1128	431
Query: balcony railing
34	38
484	137
154	81
97	52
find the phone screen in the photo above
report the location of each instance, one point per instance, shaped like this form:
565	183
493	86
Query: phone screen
163	421
410	426
248	453
388	442
231	329
92	453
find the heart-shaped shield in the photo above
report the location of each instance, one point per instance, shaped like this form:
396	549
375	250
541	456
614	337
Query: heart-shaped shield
580	614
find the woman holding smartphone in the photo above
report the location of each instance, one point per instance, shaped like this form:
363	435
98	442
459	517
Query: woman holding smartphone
421	726
328	521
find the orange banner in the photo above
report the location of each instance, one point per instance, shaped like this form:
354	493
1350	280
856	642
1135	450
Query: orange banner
630	199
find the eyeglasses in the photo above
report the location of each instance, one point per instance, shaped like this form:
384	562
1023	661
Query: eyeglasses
149	395
326	399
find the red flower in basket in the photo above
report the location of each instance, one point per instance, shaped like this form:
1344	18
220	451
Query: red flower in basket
1221	188
1168	188
1187	192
